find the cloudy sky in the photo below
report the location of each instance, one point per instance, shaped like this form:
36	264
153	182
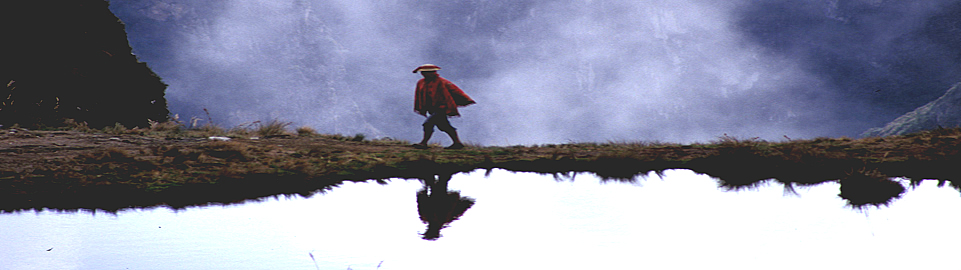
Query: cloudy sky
549	71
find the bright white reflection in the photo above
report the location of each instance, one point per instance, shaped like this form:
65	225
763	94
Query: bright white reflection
519	221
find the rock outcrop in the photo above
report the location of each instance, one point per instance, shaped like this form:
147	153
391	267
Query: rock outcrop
945	112
70	59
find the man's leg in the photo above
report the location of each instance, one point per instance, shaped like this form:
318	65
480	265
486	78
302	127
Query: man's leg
453	137
428	132
444	125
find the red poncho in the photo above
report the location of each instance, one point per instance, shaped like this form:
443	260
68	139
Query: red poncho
439	95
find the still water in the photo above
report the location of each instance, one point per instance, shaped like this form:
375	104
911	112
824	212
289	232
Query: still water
679	220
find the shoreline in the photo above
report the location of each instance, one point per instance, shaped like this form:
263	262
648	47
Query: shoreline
98	170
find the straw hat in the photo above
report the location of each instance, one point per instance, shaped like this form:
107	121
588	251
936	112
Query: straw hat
427	67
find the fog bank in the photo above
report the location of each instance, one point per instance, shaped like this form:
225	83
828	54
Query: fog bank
552	72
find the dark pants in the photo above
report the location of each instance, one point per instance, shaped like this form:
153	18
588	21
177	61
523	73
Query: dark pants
440	121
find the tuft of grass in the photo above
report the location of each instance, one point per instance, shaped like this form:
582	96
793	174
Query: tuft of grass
116	129
623	143
731	141
170	127
211	130
306	131
472	145
273	128
239	131
71	124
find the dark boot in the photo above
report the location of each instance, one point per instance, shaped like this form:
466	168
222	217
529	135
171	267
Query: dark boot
453	137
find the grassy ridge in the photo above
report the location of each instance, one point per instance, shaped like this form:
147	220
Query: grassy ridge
169	164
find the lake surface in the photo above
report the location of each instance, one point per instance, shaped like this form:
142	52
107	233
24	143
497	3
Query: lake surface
518	221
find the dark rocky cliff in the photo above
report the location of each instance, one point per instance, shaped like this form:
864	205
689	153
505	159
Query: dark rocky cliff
70	59
945	112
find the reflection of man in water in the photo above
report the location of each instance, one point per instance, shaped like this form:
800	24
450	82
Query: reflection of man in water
439	98
438	207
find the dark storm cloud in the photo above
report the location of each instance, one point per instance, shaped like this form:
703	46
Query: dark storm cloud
549	71
883	58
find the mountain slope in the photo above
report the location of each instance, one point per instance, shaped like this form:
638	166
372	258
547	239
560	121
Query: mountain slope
71	59
943	112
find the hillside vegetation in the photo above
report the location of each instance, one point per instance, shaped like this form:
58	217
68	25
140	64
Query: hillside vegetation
115	167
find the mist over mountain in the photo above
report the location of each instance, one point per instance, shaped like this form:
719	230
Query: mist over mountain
883	58
553	72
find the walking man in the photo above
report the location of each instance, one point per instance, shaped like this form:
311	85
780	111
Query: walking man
437	99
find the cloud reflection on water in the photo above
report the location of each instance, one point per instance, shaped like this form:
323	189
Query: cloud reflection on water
520	220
